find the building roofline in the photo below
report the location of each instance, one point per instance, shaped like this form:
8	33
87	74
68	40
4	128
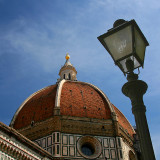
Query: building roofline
12	132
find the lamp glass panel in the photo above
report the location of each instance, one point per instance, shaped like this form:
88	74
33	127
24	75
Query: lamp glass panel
140	45
120	43
122	63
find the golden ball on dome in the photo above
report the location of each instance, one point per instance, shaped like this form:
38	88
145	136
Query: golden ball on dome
67	56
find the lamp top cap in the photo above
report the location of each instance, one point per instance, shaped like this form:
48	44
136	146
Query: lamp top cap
118	22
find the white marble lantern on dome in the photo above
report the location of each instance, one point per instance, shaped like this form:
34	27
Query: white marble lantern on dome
68	72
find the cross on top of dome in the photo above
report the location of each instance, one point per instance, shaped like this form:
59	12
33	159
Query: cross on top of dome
67	56
67	63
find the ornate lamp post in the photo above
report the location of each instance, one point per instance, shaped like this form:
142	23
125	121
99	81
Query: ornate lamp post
126	44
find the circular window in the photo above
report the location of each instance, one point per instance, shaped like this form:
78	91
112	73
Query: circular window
89	147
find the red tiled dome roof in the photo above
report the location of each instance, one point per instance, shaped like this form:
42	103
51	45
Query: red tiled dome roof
75	98
82	100
38	107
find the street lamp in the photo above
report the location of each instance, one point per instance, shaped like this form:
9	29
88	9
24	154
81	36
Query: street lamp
126	44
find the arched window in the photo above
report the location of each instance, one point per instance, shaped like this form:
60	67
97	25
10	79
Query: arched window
69	76
64	76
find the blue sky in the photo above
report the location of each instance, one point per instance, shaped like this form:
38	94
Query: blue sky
35	35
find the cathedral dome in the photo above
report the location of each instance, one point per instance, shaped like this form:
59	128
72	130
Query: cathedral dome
74	98
74	119
71	98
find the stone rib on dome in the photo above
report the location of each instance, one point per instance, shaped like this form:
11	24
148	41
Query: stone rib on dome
123	121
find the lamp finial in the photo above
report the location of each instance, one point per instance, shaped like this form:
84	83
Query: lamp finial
119	22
